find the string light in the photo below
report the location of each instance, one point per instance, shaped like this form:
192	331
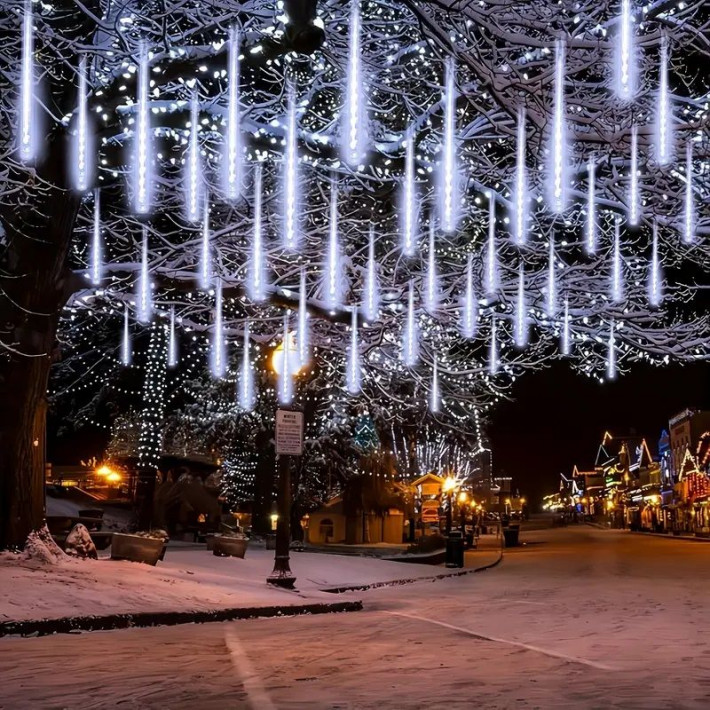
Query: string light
634	199
233	147
408	201
144	298
521	324
95	258
591	243
247	398
491	276
205	251
172	342
303	340
664	128
126	340
28	129
557	177
448	191
410	344
194	169
371	300
655	278
354	376
142	141
432	285
256	278
218	354
83	145
291	207
689	207
355	113
469	314
521	185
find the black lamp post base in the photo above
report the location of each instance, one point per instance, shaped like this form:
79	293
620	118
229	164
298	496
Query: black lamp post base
282	579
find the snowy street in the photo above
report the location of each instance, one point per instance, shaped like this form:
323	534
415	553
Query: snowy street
579	617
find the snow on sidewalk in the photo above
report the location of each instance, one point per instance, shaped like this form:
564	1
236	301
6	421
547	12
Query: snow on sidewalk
189	579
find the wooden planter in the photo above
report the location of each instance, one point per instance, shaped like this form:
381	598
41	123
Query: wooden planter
223	546
136	548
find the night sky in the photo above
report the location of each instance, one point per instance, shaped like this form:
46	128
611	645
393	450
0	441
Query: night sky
558	417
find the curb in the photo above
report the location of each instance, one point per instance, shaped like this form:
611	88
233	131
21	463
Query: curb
411	580
73	624
666	536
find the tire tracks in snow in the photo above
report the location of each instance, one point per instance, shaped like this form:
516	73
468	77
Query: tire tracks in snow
257	697
495	639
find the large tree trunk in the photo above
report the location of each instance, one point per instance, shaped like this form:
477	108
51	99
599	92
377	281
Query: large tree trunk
36	284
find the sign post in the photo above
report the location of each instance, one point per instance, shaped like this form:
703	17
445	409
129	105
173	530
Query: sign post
289	442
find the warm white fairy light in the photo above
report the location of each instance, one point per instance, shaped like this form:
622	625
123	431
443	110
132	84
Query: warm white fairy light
28	129
551	286
634	201
354	376
142	140
303	337
410	341
233	143
689	206
591	225
144	301
95	266
218	350
617	285
408	201
469	310
82	141
558	149
664	118
291	236
354	127
491	270
205	250
333	286
521	198
246	394
655	277
521	314
172	341
371	291
625	80
431	301
193	175
126	340
448	169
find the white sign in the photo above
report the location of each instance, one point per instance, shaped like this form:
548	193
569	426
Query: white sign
289	433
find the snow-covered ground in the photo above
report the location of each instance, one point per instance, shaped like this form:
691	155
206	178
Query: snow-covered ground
190	578
579	618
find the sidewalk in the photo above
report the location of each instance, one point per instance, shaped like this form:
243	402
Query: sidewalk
191	584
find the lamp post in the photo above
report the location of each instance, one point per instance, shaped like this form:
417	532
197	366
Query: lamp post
448	488
289	438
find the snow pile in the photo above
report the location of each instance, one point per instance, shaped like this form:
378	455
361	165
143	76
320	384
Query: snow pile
40	547
80	544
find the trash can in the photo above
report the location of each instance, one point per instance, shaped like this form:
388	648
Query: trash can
511	535
271	542
454	549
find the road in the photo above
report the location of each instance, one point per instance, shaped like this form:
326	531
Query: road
577	618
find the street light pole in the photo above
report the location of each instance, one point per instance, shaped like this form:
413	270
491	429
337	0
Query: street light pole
281	576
